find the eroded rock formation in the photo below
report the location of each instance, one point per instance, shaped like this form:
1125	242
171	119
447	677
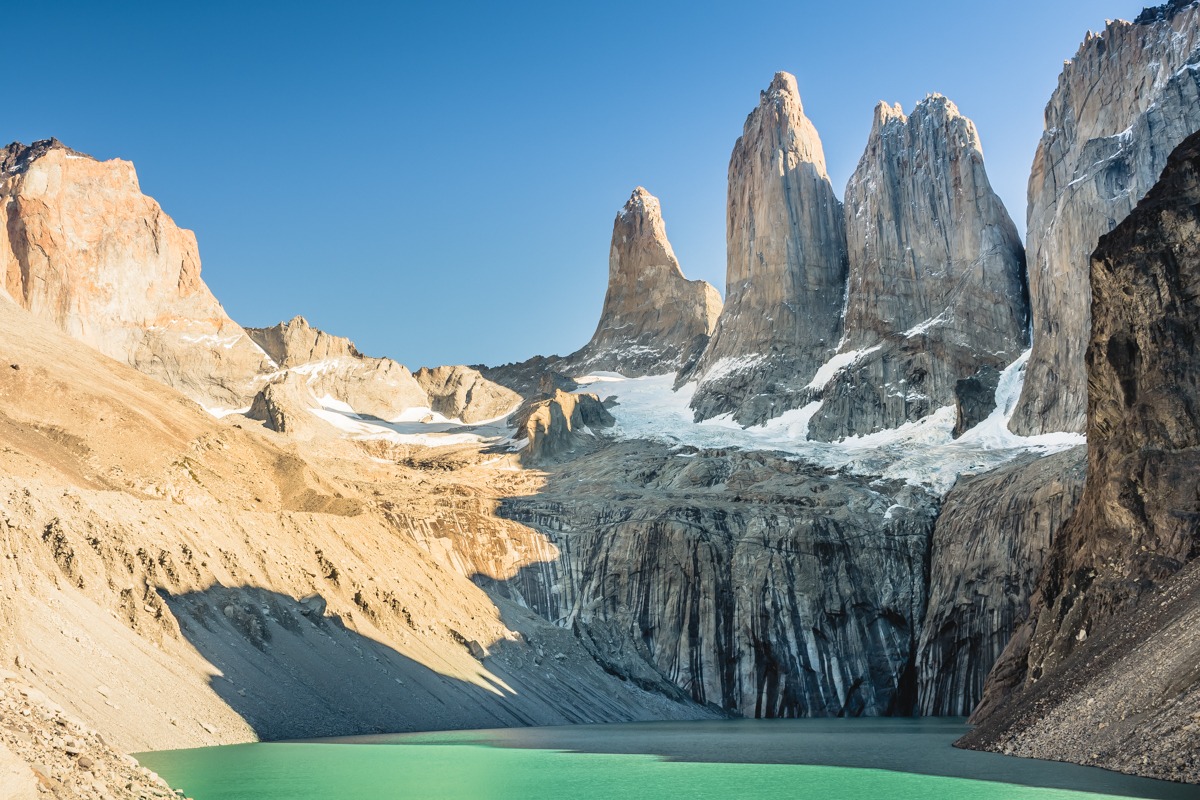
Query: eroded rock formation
934	291
84	248
654	320
786	272
749	581
462	393
558	423
1136	521
1127	98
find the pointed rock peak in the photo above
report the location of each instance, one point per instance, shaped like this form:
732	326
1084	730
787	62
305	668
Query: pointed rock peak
642	202
885	113
783	86
296	322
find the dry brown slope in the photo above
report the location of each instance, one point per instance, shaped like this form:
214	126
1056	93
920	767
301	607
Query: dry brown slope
154	559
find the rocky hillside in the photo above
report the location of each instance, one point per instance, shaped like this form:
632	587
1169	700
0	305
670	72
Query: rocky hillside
83	248
786	272
1127	98
174	580
654	320
1135	525
934	294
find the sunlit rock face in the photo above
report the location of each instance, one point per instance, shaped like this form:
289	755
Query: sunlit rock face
654	320
1127	98
934	293
84	248
746	580
786	270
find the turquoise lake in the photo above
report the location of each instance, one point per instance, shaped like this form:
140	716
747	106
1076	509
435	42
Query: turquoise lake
859	759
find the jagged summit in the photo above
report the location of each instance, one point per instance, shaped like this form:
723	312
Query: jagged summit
934	291
1163	13
16	157
654	320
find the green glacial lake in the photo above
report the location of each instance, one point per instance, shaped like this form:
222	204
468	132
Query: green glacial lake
863	759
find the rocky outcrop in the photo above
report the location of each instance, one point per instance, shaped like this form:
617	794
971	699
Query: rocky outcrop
1136	521
752	582
82	247
990	542
654	320
786	271
1127	98
462	393
934	292
557	424
319	367
296	342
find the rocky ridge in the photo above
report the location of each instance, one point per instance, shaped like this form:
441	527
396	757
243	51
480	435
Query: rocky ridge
1127	98
935	293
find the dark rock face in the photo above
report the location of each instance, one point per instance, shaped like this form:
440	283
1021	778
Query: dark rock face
935	266
1127	699
1136	524
786	273
975	398
654	319
989	544
1127	98
16	157
746	580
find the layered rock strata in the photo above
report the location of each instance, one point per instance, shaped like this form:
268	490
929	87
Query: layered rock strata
991	539
654	320
934	293
83	248
748	581
1136	521
1127	98
786	271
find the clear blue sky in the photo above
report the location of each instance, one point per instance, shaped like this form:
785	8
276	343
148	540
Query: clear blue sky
438	181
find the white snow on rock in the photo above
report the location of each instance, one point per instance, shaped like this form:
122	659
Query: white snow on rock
923	453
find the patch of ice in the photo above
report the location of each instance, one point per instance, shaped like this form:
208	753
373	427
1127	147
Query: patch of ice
219	412
836	364
922	453
924	327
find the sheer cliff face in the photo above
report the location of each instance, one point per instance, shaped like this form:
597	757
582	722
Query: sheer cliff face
1130	95
992	537
786	272
84	248
1136	521
762	585
934	290
654	320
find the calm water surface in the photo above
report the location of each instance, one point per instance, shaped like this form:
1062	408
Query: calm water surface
859	759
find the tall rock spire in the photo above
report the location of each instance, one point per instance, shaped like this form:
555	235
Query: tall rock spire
934	294
1130	95
786	268
654	319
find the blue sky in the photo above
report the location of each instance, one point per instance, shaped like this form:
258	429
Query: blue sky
438	181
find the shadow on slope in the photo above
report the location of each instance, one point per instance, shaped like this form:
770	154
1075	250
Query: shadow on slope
291	671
